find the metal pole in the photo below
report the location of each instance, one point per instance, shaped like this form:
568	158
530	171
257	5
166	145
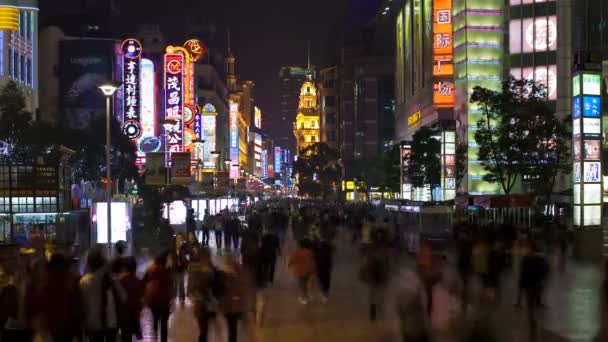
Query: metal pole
108	176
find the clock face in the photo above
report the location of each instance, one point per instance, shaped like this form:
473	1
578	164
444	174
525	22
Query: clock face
542	35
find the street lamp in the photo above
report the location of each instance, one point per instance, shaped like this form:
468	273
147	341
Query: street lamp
108	89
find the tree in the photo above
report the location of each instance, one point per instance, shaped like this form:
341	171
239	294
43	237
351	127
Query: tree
502	141
425	159
381	171
317	170
548	151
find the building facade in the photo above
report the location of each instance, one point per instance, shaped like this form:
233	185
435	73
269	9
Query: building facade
306	128
19	47
280	126
328	104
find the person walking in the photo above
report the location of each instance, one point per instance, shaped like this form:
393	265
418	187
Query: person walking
269	250
158	291
202	277
323	255
131	309
375	272
534	273
301	263
207	225
179	263
101	297
218	229
231	299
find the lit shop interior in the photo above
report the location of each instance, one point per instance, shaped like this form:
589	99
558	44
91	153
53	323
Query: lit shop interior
33	200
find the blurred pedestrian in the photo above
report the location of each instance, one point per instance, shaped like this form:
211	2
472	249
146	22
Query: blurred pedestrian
179	263
301	264
231	300
375	272
207	225
269	251
323	254
218	229
412	307
192	246
131	309
101	297
534	273
158	292
202	277
116	266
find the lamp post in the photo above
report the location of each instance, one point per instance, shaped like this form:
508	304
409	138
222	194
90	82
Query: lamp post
108	90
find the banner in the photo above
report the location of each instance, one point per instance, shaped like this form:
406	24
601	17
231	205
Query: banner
180	168
222	180
155	168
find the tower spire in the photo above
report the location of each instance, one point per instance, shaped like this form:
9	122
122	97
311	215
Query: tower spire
229	47
308	55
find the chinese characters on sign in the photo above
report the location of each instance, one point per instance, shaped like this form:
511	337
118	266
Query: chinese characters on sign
174	101
443	67
234	140
131	125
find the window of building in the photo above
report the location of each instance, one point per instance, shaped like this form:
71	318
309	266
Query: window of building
330	101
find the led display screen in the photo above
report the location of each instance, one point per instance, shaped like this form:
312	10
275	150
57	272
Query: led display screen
536	34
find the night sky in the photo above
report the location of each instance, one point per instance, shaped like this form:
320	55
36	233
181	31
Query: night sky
265	34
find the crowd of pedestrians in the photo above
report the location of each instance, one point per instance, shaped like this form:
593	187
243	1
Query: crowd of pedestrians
443	294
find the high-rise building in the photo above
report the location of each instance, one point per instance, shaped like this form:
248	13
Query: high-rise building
19	47
280	126
328	104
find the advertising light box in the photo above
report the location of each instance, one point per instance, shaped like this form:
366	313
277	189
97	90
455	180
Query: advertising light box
592	84
592	215
120	221
577	173
591	106
591	150
576	86
576	127
576	107
592	193
177	212
591	126
592	172
577	194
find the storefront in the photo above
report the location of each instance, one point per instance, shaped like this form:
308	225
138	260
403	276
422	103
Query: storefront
32	199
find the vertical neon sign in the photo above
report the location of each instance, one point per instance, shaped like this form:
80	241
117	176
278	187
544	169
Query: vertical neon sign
234	140
173	67
131	125
443	63
147	142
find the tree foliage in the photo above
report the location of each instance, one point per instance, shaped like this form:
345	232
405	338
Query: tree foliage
318	170
519	134
30	142
380	172
425	159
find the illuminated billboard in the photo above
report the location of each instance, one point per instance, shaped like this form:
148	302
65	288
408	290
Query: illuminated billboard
257	120
148	142
209	131
587	166
545	75
443	59
278	165
533	34
131	50
173	69
234	140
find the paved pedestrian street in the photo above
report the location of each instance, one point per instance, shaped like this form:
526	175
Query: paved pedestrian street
345	316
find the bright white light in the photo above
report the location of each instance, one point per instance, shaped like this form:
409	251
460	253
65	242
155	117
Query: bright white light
178	212
120	221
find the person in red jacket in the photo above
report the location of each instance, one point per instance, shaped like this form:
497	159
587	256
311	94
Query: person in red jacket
130	312
158	290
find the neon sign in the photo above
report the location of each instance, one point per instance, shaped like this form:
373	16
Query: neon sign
443	59
278	166
234	139
196	49
148	142
131	50
173	66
